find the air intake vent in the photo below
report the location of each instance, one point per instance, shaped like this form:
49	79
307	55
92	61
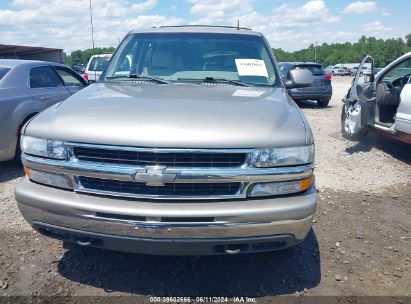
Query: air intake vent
186	189
175	159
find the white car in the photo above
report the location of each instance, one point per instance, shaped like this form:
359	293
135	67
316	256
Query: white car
329	70
96	66
341	71
380	102
363	71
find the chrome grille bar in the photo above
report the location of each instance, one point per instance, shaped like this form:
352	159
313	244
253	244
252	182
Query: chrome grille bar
128	180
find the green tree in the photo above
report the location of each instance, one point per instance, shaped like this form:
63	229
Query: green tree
408	38
383	51
82	57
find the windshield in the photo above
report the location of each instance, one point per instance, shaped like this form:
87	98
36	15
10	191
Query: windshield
314	69
181	57
3	72
399	71
98	64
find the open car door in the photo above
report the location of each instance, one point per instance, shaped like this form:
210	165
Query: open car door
359	104
403	115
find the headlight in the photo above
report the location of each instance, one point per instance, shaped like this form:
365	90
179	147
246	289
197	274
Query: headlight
48	178
281	188
43	147
289	156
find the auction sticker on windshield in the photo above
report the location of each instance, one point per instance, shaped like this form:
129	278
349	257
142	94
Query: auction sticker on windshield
251	67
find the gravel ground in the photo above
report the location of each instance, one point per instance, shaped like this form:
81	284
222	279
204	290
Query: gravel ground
359	244
373	164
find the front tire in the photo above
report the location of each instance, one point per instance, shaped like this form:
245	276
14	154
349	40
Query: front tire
17	154
322	103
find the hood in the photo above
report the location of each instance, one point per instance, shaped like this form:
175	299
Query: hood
175	116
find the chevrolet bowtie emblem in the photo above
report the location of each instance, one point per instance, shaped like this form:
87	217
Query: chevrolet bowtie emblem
154	176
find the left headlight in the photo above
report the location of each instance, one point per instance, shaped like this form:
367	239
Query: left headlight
43	147
288	156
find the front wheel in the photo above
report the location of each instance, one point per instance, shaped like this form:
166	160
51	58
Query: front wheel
345	129
322	103
17	154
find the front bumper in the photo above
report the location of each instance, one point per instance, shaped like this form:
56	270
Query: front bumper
168	227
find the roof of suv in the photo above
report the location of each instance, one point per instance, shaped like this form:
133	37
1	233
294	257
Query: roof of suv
199	29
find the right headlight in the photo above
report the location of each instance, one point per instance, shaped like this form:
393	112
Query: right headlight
287	156
48	178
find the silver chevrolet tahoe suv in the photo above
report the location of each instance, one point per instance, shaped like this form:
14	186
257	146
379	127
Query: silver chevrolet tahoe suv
188	145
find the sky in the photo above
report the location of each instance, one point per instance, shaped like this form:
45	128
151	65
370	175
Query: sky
290	25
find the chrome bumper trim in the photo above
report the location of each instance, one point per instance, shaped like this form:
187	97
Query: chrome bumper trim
241	194
139	218
70	145
298	228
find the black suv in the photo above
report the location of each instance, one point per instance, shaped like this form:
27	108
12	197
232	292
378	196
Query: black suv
321	89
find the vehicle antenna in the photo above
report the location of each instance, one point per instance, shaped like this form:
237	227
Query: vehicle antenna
92	34
92	28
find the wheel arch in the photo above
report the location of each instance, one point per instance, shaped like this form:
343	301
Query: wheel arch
18	132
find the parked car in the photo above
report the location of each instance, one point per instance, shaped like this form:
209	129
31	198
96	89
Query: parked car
320	90
329	70
366	71
96	66
79	68
26	88
353	71
363	71
380	102
341	71
197	150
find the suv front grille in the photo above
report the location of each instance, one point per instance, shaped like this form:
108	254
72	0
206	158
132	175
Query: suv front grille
136	188
168	159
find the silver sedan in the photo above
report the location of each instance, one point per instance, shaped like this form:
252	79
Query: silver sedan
26	88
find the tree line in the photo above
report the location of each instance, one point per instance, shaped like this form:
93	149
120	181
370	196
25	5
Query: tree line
82	57
383	51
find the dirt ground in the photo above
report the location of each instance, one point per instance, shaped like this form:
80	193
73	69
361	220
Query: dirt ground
360	244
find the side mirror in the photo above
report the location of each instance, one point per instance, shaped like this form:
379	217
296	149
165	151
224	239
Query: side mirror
299	78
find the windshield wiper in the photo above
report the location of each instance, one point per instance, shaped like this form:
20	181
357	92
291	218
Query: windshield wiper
216	80
139	76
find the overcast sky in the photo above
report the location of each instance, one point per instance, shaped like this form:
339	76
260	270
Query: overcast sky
290	25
